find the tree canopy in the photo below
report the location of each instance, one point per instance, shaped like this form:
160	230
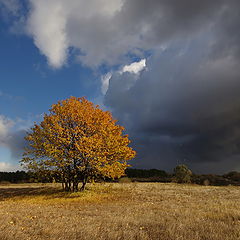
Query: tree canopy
78	141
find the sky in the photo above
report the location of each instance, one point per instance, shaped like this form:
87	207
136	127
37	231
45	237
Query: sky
169	71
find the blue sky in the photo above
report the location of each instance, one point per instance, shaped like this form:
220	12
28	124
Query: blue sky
168	71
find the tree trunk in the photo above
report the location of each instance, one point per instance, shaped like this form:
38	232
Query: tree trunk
84	182
75	187
83	186
67	186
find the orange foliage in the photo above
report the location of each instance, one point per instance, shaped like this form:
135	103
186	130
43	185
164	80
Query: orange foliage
79	141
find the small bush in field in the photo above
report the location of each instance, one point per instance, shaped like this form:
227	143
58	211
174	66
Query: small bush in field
206	182
182	174
124	180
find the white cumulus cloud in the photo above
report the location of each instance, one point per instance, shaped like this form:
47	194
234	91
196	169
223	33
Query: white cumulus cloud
105	82
57	25
135	67
47	24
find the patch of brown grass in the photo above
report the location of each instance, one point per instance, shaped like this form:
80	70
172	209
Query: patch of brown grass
120	211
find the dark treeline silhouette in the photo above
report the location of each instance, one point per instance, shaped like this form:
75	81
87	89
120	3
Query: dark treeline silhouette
145	173
137	175
25	177
231	178
155	175
148	175
15	177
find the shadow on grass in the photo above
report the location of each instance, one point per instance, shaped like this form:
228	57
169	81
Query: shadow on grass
23	192
44	192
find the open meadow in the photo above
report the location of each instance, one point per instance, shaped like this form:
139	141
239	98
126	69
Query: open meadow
120	211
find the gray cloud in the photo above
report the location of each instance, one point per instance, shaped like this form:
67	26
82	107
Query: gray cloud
12	137
16	143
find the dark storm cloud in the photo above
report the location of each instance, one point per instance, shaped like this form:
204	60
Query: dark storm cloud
185	107
161	20
227	31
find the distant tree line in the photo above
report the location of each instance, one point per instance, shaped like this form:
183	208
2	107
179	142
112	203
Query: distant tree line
145	173
181	174
231	178
26	177
15	177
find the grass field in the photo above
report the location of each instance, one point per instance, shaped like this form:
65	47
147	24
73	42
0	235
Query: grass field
120	211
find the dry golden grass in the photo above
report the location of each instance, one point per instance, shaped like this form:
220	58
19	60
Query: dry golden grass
120	211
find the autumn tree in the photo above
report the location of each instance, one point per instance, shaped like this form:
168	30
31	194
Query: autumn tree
78	141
